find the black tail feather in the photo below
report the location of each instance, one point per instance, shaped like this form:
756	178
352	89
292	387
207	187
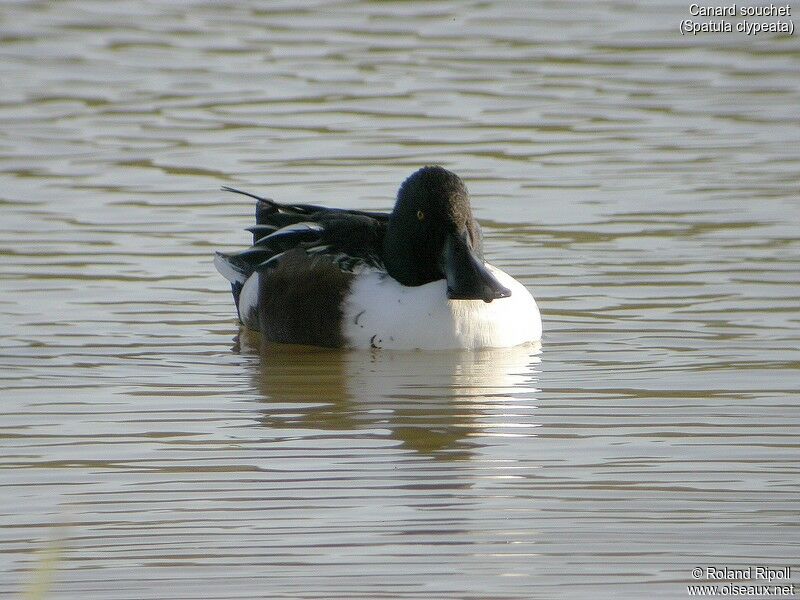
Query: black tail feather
226	188
236	290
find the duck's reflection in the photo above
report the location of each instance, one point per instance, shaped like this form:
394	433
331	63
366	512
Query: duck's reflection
435	403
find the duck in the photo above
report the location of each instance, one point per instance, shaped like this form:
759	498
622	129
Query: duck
411	279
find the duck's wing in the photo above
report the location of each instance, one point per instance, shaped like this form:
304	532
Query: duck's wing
350	239
271	215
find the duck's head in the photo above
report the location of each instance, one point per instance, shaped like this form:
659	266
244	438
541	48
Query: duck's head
432	235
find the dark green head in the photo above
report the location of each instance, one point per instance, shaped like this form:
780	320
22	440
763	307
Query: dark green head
432	235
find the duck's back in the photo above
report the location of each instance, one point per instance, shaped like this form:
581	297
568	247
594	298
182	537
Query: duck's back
292	283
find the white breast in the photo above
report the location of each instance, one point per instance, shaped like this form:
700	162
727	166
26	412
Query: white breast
379	312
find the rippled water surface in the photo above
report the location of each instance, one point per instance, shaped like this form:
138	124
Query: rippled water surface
643	185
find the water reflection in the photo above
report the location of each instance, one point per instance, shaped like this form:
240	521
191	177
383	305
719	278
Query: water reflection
435	403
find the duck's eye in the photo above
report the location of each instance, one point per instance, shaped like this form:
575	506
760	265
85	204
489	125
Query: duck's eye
420	215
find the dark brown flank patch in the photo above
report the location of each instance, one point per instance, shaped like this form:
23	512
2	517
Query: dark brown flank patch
300	300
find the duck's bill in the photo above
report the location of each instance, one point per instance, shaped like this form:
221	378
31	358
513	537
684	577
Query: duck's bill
467	276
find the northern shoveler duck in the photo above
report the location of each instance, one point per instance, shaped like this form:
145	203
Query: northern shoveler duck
411	279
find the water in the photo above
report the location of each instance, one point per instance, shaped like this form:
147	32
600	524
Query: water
643	185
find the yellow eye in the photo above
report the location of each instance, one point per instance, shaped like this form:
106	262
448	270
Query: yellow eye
420	215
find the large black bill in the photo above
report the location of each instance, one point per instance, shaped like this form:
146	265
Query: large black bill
467	275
